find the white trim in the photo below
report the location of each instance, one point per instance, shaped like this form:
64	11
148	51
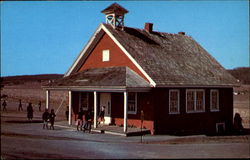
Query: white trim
95	109
129	56
133	112
218	95
47	99
125	111
195	96
70	108
178	103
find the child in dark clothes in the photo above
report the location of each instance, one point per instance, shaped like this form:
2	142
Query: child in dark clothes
52	116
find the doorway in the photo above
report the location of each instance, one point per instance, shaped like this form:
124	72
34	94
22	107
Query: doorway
105	100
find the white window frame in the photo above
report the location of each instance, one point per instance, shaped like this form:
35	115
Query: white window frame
218	97
178	101
105	55
195	97
80	102
135	111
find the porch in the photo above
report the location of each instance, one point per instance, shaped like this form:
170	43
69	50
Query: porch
108	129
93	88
118	130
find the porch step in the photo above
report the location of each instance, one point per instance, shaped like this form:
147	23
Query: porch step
115	130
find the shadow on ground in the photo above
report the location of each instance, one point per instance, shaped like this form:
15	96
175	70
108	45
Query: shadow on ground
24	121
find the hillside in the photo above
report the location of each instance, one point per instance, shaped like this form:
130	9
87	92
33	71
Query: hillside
18	80
242	73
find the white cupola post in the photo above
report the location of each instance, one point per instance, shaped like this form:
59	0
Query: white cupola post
115	15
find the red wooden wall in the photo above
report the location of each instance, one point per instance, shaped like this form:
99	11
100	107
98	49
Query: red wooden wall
117	57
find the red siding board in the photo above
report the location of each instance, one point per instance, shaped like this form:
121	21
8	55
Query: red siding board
204	122
117	57
143	103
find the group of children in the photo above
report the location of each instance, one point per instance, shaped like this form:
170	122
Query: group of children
84	120
48	117
20	106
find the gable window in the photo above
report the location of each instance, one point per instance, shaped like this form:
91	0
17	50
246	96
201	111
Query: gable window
214	100
174	105
195	100
132	103
105	55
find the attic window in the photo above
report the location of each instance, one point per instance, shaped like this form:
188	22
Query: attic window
105	55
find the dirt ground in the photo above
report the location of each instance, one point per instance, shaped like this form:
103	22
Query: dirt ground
22	139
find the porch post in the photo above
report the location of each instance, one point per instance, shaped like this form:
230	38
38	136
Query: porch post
47	99
95	109
70	108
125	111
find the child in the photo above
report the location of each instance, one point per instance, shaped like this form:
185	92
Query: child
52	116
101	115
45	119
88	121
80	119
20	106
30	111
4	105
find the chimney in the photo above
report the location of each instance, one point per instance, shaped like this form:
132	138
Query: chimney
148	27
181	33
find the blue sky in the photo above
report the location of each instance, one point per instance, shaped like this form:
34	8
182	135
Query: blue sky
45	37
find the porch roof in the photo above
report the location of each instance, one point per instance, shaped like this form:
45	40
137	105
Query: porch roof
111	78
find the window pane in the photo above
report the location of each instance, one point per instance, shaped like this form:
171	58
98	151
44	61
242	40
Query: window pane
190	100
214	100
199	100
84	101
173	104
131	102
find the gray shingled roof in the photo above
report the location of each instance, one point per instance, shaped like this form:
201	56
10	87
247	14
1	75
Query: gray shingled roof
172	59
101	77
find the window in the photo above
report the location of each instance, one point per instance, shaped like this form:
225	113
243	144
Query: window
132	103
83	101
195	100
214	100
174	97
105	55
220	127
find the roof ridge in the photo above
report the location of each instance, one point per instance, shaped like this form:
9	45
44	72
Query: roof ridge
143	30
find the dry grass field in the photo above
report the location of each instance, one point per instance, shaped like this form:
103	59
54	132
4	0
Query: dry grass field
31	92
242	104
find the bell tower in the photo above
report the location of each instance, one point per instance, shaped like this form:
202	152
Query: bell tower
115	15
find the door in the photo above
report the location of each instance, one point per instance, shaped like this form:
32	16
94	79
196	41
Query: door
105	100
